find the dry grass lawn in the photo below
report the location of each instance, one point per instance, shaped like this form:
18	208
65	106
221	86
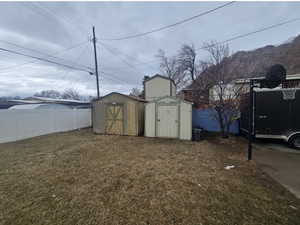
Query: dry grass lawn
81	178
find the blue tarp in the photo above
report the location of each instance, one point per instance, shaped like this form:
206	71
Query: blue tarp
204	118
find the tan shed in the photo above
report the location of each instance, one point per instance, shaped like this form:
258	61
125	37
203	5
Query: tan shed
118	114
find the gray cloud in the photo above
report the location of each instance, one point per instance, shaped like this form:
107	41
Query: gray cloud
69	23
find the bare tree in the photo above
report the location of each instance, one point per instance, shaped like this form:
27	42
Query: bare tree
48	94
187	60
135	92
224	95
170	68
71	94
182	67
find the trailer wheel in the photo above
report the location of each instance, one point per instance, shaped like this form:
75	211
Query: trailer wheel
295	141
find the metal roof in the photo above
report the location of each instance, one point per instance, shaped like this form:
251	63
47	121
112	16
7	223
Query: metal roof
127	96
36	106
161	76
34	98
26	106
24	101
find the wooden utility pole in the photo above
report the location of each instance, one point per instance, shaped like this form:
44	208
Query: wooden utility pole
96	62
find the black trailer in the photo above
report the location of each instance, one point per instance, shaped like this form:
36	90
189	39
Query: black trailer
276	115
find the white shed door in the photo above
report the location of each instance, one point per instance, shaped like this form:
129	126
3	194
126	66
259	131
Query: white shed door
167	121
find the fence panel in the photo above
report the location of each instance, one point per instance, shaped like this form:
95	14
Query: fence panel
205	119
20	124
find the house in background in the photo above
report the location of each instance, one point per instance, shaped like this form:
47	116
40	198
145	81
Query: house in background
40	106
242	85
193	93
204	117
200	99
5	104
42	100
69	102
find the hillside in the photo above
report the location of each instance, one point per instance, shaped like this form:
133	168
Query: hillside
253	63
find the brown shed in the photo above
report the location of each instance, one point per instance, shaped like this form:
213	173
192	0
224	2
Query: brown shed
118	114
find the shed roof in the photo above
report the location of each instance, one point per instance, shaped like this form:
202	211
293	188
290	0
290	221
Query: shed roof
172	97
127	96
158	75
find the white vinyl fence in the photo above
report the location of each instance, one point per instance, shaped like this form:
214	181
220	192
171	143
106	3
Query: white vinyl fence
25	123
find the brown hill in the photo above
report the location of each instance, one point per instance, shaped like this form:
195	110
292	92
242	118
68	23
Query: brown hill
254	63
245	64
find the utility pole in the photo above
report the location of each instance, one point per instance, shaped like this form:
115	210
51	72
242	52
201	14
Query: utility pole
251	119
96	62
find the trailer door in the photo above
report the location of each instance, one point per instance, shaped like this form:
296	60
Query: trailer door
272	113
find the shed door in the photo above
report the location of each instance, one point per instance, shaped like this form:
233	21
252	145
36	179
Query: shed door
114	119
167	121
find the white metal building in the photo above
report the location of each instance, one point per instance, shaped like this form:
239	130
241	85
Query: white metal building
168	117
40	106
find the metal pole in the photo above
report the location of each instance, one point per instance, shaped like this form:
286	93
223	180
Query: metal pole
250	127
96	62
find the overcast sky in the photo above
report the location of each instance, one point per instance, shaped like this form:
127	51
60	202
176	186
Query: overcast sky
52	27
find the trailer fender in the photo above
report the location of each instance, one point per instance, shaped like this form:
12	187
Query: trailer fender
291	135
294	140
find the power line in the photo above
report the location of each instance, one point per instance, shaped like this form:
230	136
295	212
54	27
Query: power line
36	8
56	53
241	36
45	60
168	26
39	52
116	50
112	76
45	54
123	60
79	56
253	32
129	56
54	15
